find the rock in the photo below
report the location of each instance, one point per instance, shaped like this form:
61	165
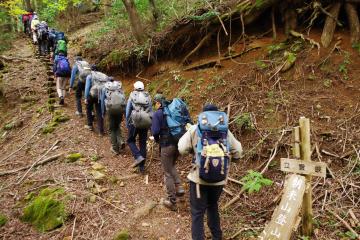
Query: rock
73	157
144	224
97	175
145	210
97	166
122	184
122	235
92	198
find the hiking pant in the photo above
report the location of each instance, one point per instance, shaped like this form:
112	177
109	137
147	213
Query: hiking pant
61	86
115	130
169	156
34	36
208	201
78	94
93	102
42	44
137	152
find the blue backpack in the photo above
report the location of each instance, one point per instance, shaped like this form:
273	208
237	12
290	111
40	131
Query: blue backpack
59	36
63	68
177	116
212	149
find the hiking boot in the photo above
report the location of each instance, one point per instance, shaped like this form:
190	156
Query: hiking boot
61	102
91	128
179	190
138	160
169	204
80	114
114	151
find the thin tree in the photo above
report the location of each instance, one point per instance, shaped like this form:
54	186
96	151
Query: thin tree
136	25
155	12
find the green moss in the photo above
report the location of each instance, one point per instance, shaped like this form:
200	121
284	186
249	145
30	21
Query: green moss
73	157
3	220
61	118
244	121
122	235
51	100
46	211
8	126
57	118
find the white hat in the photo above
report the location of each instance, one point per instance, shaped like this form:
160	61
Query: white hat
139	86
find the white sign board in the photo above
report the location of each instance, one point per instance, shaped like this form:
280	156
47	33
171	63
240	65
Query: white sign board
303	167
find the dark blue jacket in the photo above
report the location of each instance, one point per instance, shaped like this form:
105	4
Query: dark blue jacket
160	130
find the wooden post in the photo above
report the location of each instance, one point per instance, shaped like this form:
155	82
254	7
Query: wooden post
296	147
306	156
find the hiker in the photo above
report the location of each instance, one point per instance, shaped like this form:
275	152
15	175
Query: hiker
81	69
213	145
42	37
113	102
95	81
59	44
34	22
162	129
25	20
62	70
138	122
51	39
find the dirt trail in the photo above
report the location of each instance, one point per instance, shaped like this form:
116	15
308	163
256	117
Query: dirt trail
94	220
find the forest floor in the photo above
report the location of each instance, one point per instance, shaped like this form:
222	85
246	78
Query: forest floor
274	100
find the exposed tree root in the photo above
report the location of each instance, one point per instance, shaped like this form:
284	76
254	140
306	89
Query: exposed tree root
330	25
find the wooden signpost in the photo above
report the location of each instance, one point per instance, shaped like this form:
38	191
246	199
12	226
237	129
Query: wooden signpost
298	191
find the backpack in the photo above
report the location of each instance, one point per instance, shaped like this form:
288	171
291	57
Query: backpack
212	149
25	17
98	82
42	31
177	116
141	116
61	46
84	70
115	101
59	36
63	68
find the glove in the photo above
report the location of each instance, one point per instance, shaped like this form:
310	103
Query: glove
151	138
188	126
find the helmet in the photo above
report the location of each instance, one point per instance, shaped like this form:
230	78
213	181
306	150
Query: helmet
139	86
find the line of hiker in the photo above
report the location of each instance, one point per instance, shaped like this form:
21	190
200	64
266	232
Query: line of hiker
209	141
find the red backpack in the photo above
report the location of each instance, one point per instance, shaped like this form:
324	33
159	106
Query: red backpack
25	17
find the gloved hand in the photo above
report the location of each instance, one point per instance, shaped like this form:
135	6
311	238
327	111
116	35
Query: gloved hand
188	126
151	138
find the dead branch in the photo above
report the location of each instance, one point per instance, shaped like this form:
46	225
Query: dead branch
14	59
347	225
311	41
37	161
330	25
200	44
47	160
212	63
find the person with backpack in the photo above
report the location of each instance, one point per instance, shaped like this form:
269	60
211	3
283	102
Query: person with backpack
138	121
61	45
34	22
167	134
62	70
95	82
81	69
25	20
42	37
213	145
113	102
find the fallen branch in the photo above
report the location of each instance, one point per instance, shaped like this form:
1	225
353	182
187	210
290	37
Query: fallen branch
15	59
201	43
212	63
37	161
344	223
47	160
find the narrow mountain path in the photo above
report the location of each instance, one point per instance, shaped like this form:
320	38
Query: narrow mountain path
122	192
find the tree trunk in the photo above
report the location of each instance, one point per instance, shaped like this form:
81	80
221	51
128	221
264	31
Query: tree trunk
28	5
155	12
353	20
135	21
330	25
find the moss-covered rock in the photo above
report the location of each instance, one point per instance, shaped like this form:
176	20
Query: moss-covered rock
47	210
60	118
122	235
3	220
73	157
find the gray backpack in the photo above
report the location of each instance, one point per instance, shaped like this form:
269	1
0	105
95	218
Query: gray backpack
98	82
115	101
84	70
141	115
